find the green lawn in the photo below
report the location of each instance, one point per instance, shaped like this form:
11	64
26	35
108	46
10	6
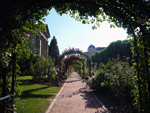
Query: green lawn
34	97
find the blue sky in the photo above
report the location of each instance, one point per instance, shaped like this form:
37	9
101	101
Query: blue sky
71	33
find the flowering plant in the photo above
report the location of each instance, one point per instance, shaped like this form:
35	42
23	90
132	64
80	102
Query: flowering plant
116	78
68	61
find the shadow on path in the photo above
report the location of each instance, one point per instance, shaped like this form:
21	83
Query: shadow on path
76	97
72	81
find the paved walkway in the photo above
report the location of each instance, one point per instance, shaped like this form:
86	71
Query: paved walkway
75	97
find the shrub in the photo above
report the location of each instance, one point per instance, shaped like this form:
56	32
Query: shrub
43	70
40	69
116	78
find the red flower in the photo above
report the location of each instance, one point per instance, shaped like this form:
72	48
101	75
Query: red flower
141	21
22	37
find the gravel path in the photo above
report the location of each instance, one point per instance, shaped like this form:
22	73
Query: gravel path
75	97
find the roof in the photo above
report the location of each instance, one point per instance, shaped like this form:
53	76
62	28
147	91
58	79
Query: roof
47	31
91	46
100	48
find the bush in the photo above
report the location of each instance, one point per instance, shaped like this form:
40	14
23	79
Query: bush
40	69
43	70
97	83
116	78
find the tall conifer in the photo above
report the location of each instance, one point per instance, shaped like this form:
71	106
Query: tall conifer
54	50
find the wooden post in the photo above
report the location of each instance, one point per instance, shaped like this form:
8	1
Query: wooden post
4	90
13	77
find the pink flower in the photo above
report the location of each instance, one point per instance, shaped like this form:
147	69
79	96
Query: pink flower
127	58
22	37
134	53
118	63
27	35
120	68
114	59
102	84
112	67
115	76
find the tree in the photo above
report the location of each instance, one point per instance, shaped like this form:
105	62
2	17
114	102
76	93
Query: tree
54	50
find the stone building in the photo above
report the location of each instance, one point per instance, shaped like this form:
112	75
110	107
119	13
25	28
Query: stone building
92	50
40	42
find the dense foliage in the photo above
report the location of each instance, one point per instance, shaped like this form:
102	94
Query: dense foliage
80	68
118	79
43	70
118	48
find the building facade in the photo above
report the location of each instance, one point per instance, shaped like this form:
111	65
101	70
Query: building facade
92	50
40	43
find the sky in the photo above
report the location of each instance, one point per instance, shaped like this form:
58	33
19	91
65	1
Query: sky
71	33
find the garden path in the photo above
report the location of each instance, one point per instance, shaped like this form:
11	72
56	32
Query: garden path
76	97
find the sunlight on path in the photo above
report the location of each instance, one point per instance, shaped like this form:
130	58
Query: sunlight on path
75	97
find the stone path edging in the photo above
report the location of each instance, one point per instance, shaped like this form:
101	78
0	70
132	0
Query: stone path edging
51	105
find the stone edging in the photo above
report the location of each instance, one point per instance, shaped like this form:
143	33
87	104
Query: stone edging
54	100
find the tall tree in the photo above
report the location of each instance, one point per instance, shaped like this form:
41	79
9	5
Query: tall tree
54	50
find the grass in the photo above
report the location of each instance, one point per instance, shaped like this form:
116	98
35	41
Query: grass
34	97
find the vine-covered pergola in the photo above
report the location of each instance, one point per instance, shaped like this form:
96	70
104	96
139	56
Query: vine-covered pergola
68	61
19	16
71	51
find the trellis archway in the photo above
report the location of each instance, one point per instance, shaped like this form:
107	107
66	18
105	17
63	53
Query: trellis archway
71	58
130	14
72	51
68	61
